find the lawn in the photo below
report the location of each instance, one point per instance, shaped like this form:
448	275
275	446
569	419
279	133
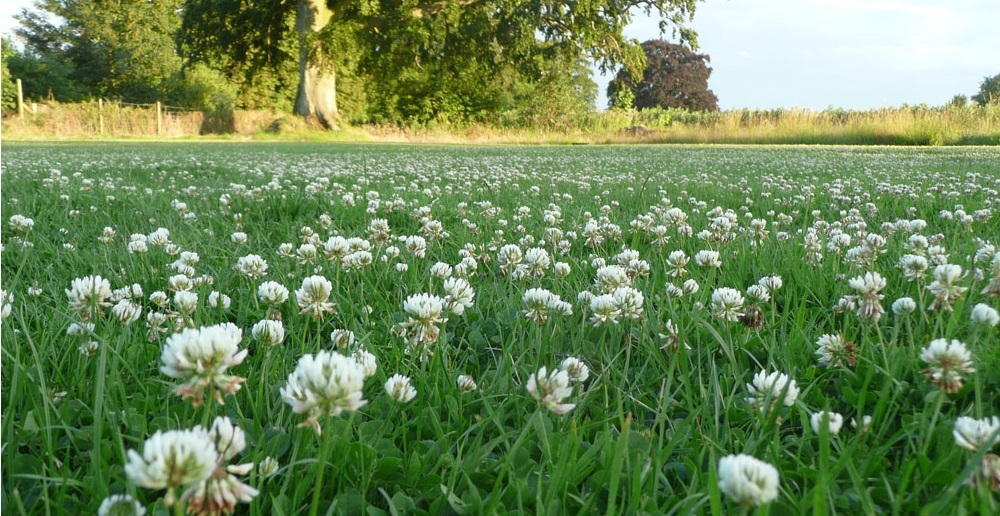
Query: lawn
217	327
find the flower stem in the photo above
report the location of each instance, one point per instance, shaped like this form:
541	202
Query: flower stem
324	453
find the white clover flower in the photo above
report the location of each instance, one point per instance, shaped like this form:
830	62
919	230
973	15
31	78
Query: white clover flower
201	357
441	270
89	348
220	493
6	298
551	389
673	291
975	434
173	459
677	261
120	505
868	298
690	286
252	266
342	339
537	260
904	306
866	422
88	294
832	420
398	388
324	384
604	310
137	247
125	312
985	315
771	282
727	303
836	351
748	481
219	300
268	467
758	293
706	258
186	302
562	269
770	389
460	295
946	363
80	329
179	282
628	301
465	383
367	362
268	332
313	297
238	237
611	277
944	287
576	369
159	298
272	293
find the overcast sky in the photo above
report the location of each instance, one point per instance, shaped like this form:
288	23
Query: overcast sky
815	54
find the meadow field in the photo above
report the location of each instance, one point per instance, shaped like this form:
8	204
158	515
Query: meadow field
277	328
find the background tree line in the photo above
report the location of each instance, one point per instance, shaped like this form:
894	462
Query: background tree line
359	61
409	62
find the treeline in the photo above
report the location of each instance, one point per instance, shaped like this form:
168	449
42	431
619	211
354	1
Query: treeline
408	62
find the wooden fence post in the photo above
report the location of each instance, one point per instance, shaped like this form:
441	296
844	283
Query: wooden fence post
100	114
159	118
20	100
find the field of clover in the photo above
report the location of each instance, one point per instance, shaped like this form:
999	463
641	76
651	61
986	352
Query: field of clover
360	329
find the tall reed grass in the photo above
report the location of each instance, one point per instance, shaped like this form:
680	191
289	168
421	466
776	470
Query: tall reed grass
906	125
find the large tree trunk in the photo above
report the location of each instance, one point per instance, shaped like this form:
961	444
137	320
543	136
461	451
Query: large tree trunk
317	96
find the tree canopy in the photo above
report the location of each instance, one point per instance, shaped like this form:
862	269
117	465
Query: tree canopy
674	77
382	61
989	91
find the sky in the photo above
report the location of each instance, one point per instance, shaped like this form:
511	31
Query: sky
852	54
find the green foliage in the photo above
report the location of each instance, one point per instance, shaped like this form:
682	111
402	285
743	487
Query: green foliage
113	49
989	91
45	77
8	102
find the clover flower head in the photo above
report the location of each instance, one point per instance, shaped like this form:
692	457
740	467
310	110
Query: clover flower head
324	384
120	505
748	481
975	434
399	388
550	389
313	297
947	361
985	315
727	303
88	294
173	459
832	420
200	357
767	390
268	332
465	383
576	369
836	351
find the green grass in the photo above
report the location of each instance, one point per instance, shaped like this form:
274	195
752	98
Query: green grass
649	425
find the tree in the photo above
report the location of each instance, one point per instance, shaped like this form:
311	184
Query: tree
989	91
675	77
424	40
123	48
